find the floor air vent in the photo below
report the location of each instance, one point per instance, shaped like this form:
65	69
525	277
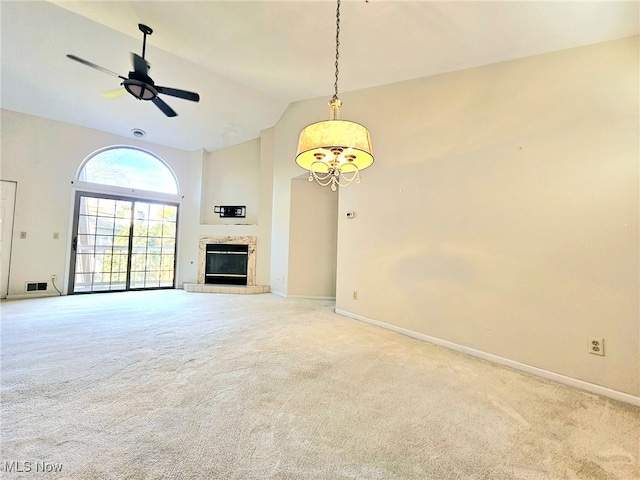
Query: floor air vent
35	286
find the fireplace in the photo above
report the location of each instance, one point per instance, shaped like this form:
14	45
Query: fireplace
241	253
226	264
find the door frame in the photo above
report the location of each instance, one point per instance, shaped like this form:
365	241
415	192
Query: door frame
124	197
7	229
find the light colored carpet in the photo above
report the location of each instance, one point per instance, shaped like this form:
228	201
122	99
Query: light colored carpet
176	385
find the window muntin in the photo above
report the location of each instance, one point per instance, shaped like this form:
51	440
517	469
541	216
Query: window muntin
123	244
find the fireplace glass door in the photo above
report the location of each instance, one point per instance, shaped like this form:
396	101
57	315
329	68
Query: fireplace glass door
226	264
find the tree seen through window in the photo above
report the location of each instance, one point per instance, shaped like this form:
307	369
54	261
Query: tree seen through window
129	167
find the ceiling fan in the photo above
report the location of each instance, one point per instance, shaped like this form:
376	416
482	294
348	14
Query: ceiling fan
139	83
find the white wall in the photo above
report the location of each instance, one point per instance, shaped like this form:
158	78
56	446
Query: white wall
232	177
313	240
43	156
285	141
241	175
265	208
501	213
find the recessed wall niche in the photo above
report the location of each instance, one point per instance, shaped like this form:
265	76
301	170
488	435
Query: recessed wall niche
231	176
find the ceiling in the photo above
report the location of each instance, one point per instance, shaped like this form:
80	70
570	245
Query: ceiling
249	60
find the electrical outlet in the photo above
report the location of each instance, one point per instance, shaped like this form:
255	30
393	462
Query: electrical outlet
355	294
54	278
596	346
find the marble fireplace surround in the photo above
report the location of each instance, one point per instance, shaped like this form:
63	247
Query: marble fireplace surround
241	240
251	286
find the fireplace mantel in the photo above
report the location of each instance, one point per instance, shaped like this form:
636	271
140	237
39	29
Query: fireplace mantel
236	240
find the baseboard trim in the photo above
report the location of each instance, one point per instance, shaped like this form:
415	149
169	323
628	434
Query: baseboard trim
546	374
23	296
311	297
302	297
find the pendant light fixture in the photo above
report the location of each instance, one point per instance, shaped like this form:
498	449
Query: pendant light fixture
334	151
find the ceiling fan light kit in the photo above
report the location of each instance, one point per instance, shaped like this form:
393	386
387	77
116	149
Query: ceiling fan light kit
140	90
139	84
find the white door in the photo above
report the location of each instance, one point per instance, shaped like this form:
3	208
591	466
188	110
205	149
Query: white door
7	207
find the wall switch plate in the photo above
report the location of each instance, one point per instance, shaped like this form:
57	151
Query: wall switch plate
596	346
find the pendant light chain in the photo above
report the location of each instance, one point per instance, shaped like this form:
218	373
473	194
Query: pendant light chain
335	85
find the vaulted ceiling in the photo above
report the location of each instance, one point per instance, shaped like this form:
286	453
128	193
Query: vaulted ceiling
249	60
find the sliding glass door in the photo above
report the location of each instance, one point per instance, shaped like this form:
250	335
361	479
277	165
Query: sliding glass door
122	243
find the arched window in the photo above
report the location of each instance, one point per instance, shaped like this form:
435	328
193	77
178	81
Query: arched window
128	167
125	232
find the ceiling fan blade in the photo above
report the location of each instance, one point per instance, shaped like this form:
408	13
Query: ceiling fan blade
140	65
174	92
115	93
168	111
93	65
